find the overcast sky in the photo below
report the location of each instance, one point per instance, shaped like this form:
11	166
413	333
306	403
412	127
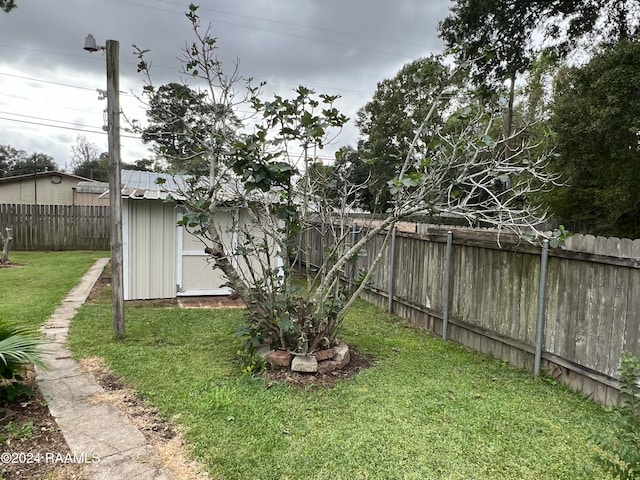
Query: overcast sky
336	47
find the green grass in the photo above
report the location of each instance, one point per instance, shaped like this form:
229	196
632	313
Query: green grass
426	410
33	290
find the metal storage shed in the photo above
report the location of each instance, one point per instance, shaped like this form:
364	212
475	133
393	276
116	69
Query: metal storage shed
160	258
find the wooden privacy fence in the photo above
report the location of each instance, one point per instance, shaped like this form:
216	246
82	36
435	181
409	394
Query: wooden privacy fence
585	315
56	227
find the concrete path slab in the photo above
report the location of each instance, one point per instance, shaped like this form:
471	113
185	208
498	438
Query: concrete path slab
92	430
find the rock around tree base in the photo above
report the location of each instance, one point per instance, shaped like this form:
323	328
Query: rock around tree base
323	361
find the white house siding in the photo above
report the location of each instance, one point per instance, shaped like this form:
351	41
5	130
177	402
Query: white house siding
150	246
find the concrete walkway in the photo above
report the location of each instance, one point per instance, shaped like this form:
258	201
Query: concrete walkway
92	430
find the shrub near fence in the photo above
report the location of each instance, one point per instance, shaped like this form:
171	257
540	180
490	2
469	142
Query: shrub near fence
56	227
591	304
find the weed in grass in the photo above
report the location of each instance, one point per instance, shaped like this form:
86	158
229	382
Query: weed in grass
250	362
14	432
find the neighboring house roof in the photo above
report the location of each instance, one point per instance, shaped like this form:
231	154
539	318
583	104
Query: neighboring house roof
51	173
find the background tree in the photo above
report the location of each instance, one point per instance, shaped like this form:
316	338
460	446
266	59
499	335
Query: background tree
596	120
87	162
495	37
183	125
36	162
7	5
147	165
8	157
588	23
95	168
83	151
15	162
388	124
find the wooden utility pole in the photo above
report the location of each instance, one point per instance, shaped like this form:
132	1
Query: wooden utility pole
115	201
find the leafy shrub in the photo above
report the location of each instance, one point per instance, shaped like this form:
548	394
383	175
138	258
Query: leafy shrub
19	346
620	457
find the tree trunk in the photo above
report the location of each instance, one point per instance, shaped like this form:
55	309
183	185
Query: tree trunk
7	245
508	125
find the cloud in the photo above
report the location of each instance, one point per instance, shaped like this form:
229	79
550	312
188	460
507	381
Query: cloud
333	46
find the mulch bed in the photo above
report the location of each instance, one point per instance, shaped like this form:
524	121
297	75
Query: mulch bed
38	435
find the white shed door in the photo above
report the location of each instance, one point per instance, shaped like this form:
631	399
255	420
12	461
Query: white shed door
196	274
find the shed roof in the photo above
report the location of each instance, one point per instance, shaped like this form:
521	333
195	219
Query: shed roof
139	185
144	186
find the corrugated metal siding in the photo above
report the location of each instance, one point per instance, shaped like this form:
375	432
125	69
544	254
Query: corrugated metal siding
152	249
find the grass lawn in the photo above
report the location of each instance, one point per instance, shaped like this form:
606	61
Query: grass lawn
33	289
426	409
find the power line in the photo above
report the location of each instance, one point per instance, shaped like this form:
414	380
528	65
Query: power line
396	54
300	25
164	67
47	81
54	83
45	119
46	103
101	132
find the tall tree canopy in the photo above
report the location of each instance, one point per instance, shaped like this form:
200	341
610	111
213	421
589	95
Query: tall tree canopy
185	127
592	21
15	162
389	121
494	35
597	124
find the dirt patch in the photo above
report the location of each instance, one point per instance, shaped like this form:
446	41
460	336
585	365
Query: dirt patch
28	433
358	363
224	301
11	265
164	437
103	282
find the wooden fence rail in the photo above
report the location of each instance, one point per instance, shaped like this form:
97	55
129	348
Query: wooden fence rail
592	298
56	227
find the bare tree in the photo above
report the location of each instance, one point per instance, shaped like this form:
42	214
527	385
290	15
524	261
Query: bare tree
6	245
271	188
83	151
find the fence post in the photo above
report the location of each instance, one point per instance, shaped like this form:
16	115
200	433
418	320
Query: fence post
447	280
392	266
541	305
352	269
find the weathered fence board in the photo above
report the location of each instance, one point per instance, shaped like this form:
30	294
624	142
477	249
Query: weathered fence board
57	227
592	309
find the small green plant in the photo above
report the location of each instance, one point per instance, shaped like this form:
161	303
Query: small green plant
18	347
17	432
621	456
560	235
250	362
